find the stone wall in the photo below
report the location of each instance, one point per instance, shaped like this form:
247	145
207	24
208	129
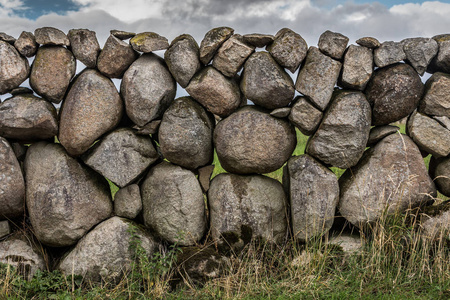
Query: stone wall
158	150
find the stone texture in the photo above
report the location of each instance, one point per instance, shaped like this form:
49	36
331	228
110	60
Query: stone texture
84	45
186	133
378	133
147	89
182	59
348	243
7	38
333	44
243	208
388	53
231	55
149	128
317	77
5	229
252	141
436	100
26	117
94	100
258	40
204	176
21	90
173	205
217	93
444	121
305	116
122	35
12	185
104	254
116	57
393	92
14	69
368	42
288	49
19	150
51	72
313	192
51	36
148	41
391	175
282	112
212	41
419	52
442	176
26	44
342	135
265	83
121	156
357	67
441	62
128	202
429	135
64	198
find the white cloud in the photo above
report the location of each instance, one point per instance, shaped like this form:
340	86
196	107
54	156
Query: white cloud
8	7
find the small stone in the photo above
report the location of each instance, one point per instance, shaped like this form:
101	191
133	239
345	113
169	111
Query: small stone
305	116
231	55
212	41
378	133
84	45
388	53
26	44
14	69
258	40
122	35
317	77
128	202
441	62
436	101
5	229
357	67
436	227
51	36
288	49
21	90
333	44
282	112
149	128
148	42
20	150
444	121
204	176
116	57
349	243
419	52
368	42
7	38
441	175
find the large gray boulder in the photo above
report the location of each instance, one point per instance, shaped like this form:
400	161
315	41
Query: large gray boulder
26	44
342	135
148	42
108	251
357	67
115	57
305	116
7	38
252	141
173	205
12	185
121	156
85	46
288	49
333	44
388	53
186	134
147	88
243	208
393	92
14	69
391	177
436	100
419	52
92	107
317	77
265	83
51	36
441	62
368	42
231	55
313	191
212	41
28	118
51	72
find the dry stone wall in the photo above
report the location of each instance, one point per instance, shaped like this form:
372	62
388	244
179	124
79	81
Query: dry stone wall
158	150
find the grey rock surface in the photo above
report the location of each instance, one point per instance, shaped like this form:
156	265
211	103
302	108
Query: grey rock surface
19	150
317	77
231	55
442	176
14	69
441	62
444	121
419	52
26	44
173	205
252	141
258	40
212	41
388	53
288	49
128	202
349	243
436	227
313	192
204	176
342	135
51	36
333	44
149	128
282	112
115	57
305	116
85	46
7	38
378	133
148	41
5	229
368	42
436	100
121	156
265	83
147	89
122	35
93	99
357	67
186	134
64	198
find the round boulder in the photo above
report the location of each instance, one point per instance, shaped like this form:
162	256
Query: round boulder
14	69
442	175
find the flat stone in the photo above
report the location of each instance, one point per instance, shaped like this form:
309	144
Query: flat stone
116	57
231	55
265	83
14	69
93	100
64	198
182	59
444	121
317	77
441	62
51	72
368	42
288	49
305	116
7	38
393	92
391	177
252	141
26	44
313	191
5	229
217	93
436	100
149	128
282	112
388	53
51	36
212	41
148	42
419	52
28	118
173	204
258	40
128	202
342	135
333	44
348	243
122	35
357	67
147	89
21	90
378	133
85	46
204	176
